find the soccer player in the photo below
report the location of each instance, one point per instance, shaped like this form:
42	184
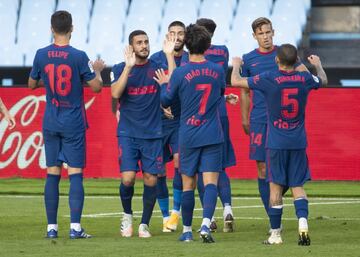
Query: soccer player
139	129
199	85
64	70
10	119
255	62
220	54
170	125
285	93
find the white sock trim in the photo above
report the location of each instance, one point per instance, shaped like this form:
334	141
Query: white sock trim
75	226
206	222
277	206
187	229
52	226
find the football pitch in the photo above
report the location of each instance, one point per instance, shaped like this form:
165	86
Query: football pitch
334	223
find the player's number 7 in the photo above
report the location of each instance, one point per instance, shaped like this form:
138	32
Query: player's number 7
205	97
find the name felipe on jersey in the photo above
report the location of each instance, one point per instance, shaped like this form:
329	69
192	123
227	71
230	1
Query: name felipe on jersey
204	72
58	54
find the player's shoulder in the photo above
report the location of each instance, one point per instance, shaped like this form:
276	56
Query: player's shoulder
250	55
118	67
157	55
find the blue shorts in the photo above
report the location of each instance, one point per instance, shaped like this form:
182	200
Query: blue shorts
257	141
200	159
65	147
170	143
229	158
287	167
148	152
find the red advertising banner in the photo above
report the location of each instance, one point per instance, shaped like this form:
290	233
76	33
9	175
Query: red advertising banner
333	126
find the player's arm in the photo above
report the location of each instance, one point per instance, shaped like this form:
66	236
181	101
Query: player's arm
118	87
167	91
168	49
11	120
97	83
34	84
245	93
316	62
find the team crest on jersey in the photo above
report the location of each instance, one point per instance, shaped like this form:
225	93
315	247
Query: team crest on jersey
316	79
112	77
90	66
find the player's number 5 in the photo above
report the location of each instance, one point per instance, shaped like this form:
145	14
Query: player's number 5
61	76
289	102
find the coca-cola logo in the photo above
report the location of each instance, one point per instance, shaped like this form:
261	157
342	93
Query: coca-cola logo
24	144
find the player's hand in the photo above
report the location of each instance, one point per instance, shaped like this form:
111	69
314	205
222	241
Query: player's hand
246	128
167	112
161	77
237	62
232	99
11	121
314	60
129	56
98	65
169	43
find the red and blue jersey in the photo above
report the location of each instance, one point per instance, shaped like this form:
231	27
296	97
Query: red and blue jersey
219	54
200	87
160	57
64	70
140	114
256	62
285	96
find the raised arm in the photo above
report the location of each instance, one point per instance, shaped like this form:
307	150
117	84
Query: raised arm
118	87
236	79
168	49
97	83
316	62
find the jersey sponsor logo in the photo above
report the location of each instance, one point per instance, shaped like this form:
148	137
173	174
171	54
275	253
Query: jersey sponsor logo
142	90
293	78
316	79
193	121
281	124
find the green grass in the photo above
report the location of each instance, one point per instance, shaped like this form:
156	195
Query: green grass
334	224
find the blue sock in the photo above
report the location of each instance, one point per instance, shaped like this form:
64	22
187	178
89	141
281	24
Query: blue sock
162	194
126	194
275	217
51	196
149	199
224	188
210	197
76	197
302	208
264	190
187	207
200	187
177	188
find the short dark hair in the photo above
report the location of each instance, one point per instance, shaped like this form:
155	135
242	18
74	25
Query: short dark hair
135	33
287	54
61	22
209	24
197	39
176	23
259	22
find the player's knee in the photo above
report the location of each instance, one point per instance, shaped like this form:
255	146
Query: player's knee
149	179
127	181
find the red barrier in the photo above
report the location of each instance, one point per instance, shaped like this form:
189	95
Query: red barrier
333	126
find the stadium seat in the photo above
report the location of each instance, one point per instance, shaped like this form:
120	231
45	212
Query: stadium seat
80	11
11	56
293	10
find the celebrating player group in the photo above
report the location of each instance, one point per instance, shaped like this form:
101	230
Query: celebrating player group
172	107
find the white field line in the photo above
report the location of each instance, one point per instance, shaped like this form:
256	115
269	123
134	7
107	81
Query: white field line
140	197
118	214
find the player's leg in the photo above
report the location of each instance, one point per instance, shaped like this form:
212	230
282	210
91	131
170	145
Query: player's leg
128	165
200	187
152	166
188	163
162	191
74	154
275	214
299	173
177	195
52	144
210	165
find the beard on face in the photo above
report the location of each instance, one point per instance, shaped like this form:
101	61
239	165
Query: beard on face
141	55
179	47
